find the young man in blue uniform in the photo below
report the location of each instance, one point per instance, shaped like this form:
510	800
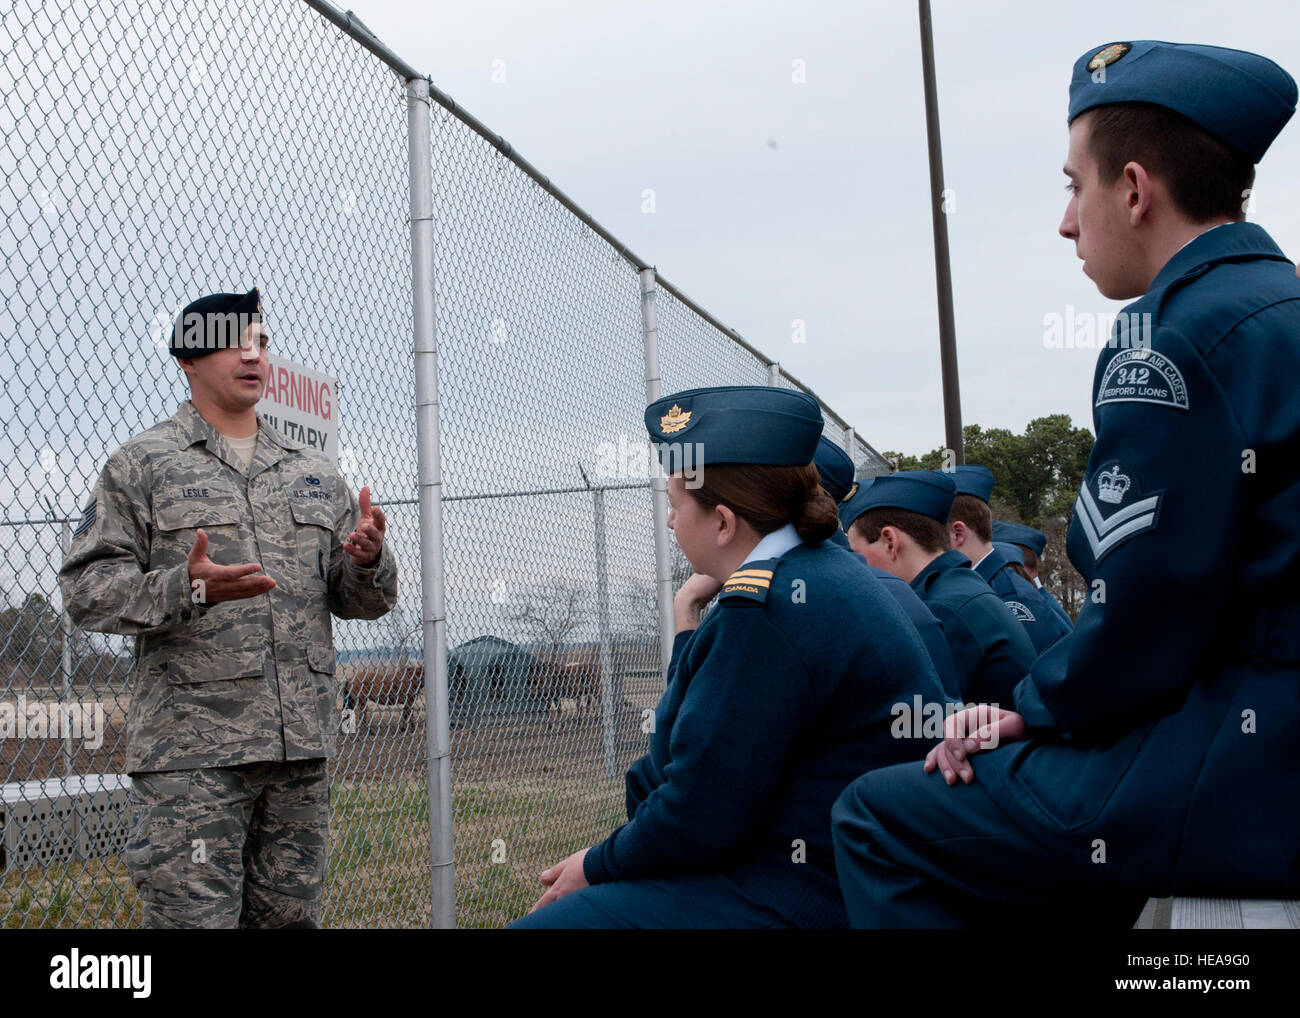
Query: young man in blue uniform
899	523
835	469
774	702
1030	545
1150	752
970	528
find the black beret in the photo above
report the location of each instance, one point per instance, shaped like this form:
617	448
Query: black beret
214	322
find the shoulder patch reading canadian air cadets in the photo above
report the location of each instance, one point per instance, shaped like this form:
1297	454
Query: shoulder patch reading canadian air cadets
1020	611
1142	376
1114	487
87	519
674	420
751	581
1106	57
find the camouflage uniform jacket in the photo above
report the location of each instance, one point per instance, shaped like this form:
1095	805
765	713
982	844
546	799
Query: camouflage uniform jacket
239	681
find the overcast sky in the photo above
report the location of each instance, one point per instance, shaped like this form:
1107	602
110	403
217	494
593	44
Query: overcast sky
777	201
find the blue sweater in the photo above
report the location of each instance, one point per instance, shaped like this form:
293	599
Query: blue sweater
773	705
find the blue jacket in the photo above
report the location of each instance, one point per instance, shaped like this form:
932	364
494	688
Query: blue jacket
1054	605
1166	723
778	700
927	626
990	650
1024	600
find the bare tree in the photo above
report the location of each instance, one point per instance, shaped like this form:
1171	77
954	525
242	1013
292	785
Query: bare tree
639	617
548	615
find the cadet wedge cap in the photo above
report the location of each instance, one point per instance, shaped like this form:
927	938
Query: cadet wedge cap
1241	98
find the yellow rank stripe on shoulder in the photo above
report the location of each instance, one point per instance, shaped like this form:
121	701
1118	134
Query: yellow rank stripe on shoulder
748	583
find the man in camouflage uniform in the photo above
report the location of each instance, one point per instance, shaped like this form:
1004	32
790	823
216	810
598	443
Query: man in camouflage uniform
233	699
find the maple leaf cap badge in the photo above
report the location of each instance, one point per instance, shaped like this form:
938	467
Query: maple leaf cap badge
674	420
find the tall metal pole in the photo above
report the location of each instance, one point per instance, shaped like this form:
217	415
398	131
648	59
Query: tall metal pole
432	593
65	539
658	483
942	271
606	654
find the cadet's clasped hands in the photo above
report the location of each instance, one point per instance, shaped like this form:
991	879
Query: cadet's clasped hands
213	584
966	733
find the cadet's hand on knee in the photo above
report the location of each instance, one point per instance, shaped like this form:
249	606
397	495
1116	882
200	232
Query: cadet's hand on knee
563	878
212	583
968	732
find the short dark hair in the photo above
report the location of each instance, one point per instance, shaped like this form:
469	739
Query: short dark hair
975	513
926	531
769	497
1206	179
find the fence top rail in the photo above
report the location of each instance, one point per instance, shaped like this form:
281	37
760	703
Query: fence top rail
351	25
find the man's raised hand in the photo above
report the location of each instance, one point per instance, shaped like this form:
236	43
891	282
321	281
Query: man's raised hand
212	583
367	542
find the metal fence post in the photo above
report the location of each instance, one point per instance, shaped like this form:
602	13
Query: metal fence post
432	594
65	542
607	706
851	443
658	482
774	373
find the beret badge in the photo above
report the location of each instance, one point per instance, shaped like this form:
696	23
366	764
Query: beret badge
1106	57
675	420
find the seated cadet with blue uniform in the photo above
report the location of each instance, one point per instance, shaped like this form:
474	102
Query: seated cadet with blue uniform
1031	544
1152	751
778	699
900	524
970	527
836	472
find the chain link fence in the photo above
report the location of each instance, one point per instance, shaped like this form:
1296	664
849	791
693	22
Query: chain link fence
155	151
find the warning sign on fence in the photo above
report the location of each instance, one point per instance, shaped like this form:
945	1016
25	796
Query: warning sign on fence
303	405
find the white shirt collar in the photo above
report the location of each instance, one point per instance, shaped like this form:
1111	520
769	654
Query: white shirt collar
775	544
976	565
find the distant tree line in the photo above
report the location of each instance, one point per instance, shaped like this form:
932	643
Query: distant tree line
1038	477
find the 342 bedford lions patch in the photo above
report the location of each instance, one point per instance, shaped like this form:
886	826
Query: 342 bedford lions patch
1142	376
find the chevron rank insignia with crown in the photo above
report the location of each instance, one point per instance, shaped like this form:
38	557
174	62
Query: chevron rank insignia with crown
1115	485
674	420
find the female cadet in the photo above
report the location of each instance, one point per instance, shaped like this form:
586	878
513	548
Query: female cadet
773	704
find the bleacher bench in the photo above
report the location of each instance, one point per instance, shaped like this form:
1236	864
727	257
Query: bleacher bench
1219	914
